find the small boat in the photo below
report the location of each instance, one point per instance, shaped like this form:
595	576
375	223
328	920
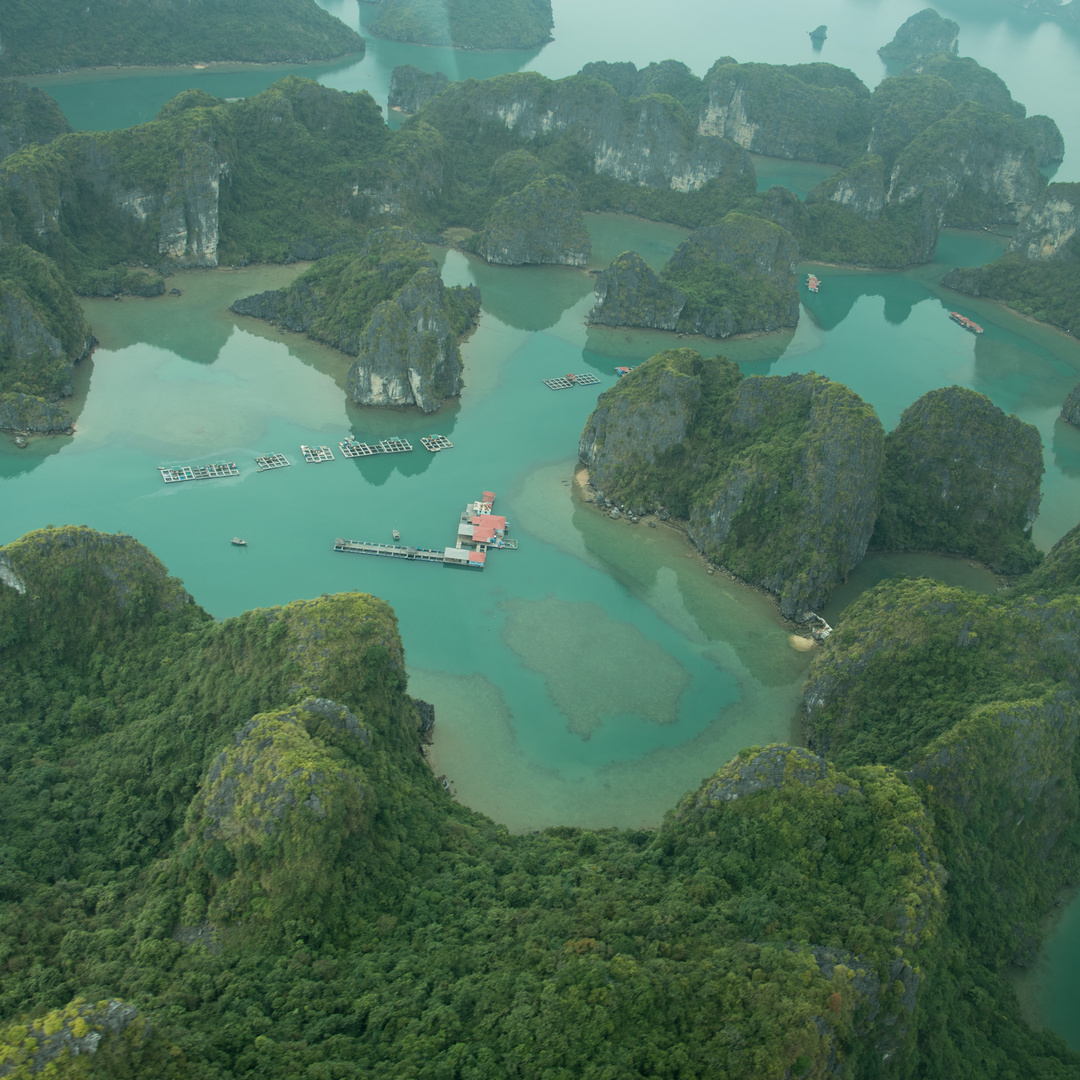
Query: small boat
238	542
813	283
965	322
397	535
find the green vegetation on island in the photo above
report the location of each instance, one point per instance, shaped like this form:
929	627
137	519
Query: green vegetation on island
541	223
43	334
466	24
926	33
71	34
961	476
776	478
1039	275
226	835
736	277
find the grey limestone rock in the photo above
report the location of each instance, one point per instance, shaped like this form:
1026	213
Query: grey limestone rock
542	223
33	415
812	112
977	165
630	293
1071	409
757	256
408	352
926	33
861	187
411	89
641	141
1047	232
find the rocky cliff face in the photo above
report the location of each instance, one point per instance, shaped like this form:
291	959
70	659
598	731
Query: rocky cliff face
629	432
800	113
823	511
27	414
1046	138
43	334
860	187
648	141
961	476
737	277
178	217
1070	410
408	353
1046	234
776	477
980	163
411	89
926	33
542	223
630	293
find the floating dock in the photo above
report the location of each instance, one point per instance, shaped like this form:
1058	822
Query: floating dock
621	371
479	530
435	443
315	454
177	474
451	556
564	382
353	449
394	445
272	461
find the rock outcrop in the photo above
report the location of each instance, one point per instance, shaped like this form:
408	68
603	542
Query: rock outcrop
28	116
411	89
1046	139
1060	570
408	353
386	305
642	141
979	165
961	476
777	478
542	223
1070	410
860	187
926	33
737	277
43	335
1047	233
630	293
808	112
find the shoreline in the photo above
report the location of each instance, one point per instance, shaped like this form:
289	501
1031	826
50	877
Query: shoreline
114	71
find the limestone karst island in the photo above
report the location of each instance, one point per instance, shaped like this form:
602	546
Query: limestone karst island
748	395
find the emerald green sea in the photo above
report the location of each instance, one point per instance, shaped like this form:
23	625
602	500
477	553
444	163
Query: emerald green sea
598	672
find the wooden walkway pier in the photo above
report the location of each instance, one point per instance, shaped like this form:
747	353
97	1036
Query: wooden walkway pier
272	461
471	560
177	474
315	454
564	382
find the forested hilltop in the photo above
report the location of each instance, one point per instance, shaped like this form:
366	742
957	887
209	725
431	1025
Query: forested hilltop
225	856
70	34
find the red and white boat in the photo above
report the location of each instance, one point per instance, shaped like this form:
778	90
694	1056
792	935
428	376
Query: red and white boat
965	322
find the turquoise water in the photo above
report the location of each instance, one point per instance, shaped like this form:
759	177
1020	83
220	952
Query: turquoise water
522	660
